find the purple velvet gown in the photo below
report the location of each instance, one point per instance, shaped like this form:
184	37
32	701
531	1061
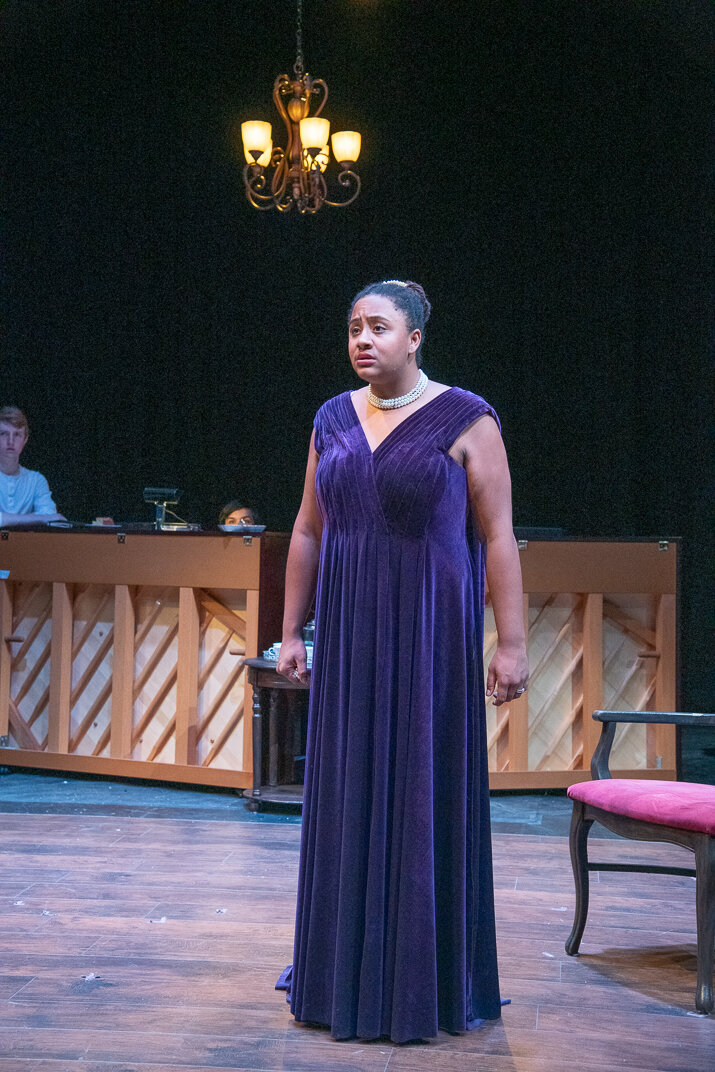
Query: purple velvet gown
395	916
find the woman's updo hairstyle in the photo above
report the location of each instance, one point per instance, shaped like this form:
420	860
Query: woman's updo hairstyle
406	296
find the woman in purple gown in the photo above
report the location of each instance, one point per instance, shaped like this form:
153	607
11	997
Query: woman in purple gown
406	487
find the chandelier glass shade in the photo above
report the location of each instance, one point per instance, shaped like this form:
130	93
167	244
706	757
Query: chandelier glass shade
282	178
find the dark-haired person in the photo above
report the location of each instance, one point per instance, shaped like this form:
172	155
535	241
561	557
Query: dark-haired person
25	497
407	485
235	513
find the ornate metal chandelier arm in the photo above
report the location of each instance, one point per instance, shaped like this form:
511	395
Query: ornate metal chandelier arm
306	185
254	183
283	84
280	175
316	193
346	178
315	85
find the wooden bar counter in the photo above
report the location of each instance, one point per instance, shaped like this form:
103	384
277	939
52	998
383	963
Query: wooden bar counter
123	653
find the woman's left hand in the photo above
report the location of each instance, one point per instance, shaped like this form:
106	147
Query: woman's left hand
508	674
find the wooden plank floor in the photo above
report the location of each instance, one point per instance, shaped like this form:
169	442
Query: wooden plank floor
152	945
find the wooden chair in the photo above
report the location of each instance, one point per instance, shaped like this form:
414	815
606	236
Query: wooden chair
647	810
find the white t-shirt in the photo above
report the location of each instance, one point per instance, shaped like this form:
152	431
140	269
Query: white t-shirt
25	493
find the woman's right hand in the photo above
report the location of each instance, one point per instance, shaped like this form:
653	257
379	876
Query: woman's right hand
293	661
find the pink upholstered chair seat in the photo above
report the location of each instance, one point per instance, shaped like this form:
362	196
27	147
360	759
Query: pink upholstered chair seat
679	813
686	805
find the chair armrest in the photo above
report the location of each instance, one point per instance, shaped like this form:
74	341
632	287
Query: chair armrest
673	718
609	720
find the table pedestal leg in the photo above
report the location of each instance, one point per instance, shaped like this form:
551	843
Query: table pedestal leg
273	737
296	720
257	741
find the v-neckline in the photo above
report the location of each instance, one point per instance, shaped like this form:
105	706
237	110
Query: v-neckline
406	420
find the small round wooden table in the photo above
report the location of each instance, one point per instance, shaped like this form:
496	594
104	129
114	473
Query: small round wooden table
267	684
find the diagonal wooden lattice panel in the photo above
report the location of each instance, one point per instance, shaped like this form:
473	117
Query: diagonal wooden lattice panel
556	701
29	664
217	686
156	652
215	631
217	649
548	719
633	679
91	675
587	651
222	682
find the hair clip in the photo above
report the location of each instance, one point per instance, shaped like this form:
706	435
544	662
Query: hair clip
395	282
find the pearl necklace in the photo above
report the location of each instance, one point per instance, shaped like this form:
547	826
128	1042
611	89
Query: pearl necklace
402	400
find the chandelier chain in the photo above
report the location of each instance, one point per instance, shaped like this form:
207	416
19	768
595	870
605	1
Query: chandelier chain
298	66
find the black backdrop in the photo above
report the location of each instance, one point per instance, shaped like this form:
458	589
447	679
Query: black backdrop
540	168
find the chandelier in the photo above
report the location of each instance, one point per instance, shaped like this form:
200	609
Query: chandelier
280	178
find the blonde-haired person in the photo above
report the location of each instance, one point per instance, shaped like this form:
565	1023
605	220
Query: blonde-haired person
25	497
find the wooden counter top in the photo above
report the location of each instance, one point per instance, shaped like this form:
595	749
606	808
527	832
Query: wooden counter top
197	560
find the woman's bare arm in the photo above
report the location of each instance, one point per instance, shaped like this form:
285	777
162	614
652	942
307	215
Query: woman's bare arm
301	575
484	458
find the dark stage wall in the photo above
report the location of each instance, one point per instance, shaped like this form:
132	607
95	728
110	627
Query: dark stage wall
540	168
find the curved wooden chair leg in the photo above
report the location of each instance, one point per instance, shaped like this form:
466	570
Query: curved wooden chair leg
578	844
705	912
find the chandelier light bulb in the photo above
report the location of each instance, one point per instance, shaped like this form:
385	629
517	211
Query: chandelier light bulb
346	146
257	139
314	134
320	159
263	160
323	157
